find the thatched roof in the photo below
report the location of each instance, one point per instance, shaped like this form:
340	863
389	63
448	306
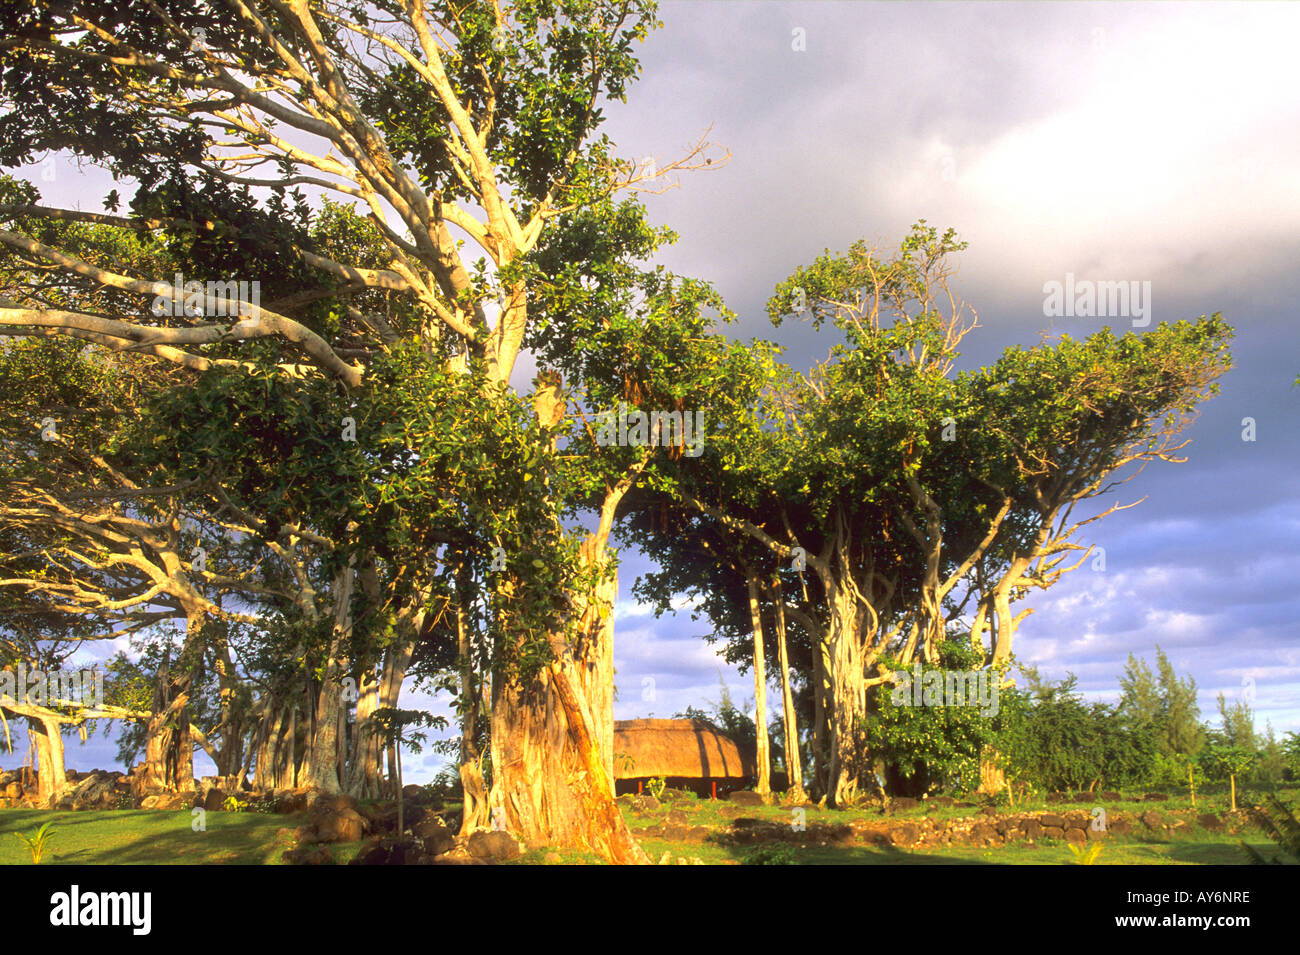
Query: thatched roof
681	748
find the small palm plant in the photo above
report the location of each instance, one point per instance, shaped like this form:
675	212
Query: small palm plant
1086	856
36	844
1279	823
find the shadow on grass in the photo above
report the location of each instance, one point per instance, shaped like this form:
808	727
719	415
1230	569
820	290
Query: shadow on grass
132	837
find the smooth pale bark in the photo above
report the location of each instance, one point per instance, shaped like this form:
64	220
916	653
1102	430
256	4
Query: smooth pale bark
763	758
793	758
52	773
52	769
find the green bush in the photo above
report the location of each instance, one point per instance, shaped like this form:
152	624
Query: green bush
934	748
770	855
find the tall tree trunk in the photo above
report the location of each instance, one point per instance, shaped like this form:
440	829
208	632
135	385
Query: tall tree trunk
324	754
793	759
848	698
365	767
553	734
552	741
821	738
763	760
230	756
274	768
169	748
475	813
52	773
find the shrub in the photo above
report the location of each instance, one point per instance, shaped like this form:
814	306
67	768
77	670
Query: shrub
770	855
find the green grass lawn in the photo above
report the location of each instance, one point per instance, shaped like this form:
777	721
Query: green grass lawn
134	837
126	837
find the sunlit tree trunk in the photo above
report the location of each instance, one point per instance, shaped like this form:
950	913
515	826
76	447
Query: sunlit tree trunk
169	748
552	752
553	734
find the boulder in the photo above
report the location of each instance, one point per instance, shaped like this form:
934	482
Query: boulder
1076	836
1051	820
645	803
342	825
330	802
458	855
434	833
1053	832
1151	819
1208	820
97	791
744	797
944	802
286	801
386	851
309	855
493	846
903	803
1155	797
1110	796
1078	820
214	800
1032	828
1119	827
168	802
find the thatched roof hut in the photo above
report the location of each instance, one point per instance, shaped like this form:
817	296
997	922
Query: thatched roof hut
677	750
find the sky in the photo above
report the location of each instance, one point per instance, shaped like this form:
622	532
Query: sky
1112	142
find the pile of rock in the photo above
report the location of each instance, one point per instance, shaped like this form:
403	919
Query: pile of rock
984	830
428	842
97	789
